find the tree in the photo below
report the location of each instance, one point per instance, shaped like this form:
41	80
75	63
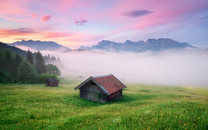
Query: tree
15	65
29	57
8	60
39	63
52	69
4	74
18	59
9	63
53	58
27	73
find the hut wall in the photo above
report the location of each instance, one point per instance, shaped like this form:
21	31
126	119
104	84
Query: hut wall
50	84
54	84
92	92
116	95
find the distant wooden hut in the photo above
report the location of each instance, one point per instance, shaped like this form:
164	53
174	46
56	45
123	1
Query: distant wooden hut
101	88
52	82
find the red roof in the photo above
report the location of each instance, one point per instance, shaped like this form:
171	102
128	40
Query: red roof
109	83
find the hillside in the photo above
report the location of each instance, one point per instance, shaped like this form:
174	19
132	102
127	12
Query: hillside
150	44
48	59
12	48
142	107
42	45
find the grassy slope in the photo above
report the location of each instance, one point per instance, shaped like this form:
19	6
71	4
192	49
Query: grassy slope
40	107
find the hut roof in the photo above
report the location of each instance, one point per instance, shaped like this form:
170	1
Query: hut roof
53	80
108	83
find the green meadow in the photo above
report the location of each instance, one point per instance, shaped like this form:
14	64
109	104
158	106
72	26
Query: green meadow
25	106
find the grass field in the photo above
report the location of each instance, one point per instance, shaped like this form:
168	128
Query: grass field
142	107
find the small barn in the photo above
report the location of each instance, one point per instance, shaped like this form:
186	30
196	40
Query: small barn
101	88
52	82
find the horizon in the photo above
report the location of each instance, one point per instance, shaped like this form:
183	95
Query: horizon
199	47
74	23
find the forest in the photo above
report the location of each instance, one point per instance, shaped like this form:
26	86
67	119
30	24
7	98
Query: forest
15	68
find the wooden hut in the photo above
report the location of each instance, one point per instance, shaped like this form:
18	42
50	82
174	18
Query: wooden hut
101	88
52	82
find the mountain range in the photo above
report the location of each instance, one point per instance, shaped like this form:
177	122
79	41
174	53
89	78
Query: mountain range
140	46
129	46
41	45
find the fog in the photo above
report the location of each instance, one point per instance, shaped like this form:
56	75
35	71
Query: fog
172	67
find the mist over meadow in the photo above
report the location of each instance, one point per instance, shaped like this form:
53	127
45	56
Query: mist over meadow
171	67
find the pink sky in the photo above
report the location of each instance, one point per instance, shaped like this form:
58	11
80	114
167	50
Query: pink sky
85	22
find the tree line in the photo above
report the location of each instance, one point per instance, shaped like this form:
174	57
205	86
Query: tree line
32	69
49	58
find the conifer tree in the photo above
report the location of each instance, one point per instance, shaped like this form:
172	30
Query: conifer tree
17	61
40	63
8	60
29	57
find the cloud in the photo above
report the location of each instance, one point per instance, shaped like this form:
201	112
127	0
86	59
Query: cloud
24	30
137	13
14	32
19	39
48	34
80	21
34	15
115	20
203	18
46	18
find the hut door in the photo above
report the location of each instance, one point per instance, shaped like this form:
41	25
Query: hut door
103	98
99	96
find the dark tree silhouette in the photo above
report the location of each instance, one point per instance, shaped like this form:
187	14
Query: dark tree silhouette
39	63
15	65
16	69
29	57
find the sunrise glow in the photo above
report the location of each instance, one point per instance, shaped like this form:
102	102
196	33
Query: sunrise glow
85	22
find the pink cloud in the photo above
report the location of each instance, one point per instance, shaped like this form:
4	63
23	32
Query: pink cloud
173	13
46	18
34	15
65	5
164	13
9	7
16	32
56	34
108	19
